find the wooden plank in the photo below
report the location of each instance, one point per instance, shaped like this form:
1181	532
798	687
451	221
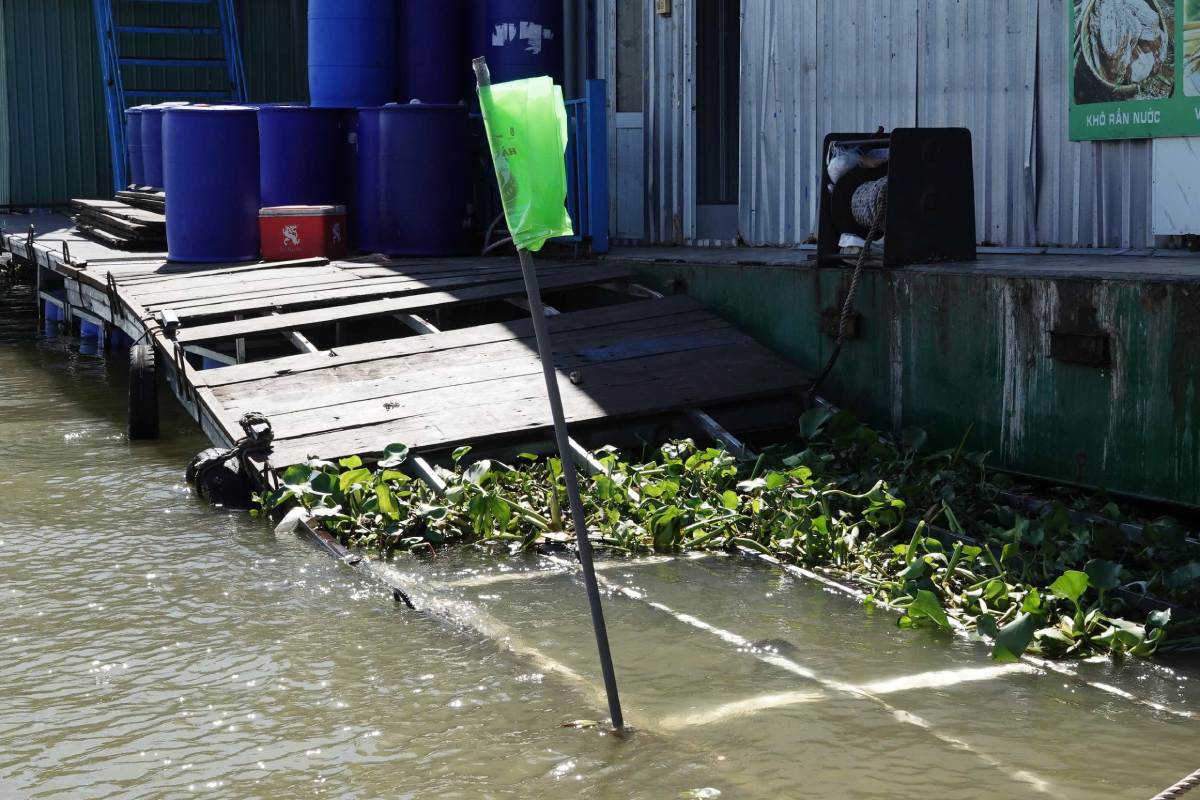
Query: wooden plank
469	365
115	208
172	269
652	311
395	305
518	406
349	288
181	296
161	291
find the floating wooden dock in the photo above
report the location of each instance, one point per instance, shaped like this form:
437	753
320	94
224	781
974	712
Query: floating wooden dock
347	357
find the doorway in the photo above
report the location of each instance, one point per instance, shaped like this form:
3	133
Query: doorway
718	66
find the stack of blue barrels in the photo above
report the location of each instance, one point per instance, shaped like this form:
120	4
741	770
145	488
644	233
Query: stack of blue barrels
388	131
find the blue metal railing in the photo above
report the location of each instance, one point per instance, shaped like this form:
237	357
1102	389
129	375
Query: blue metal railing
587	166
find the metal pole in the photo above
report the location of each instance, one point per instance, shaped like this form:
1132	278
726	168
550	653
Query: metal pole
546	353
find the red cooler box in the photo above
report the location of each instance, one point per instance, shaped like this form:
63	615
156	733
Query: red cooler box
302	232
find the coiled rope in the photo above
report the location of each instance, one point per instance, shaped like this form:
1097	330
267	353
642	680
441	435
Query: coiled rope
848	305
1179	789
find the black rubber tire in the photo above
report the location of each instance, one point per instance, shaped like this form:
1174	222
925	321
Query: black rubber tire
143	393
220	480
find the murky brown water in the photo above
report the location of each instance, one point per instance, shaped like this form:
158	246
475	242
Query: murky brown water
153	647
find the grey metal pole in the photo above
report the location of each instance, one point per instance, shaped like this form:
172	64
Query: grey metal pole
546	353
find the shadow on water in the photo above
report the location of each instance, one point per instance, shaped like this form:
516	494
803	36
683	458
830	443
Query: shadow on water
155	647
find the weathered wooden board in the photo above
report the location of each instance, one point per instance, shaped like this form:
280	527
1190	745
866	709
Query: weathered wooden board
347	288
388	378
583	276
649	313
448	417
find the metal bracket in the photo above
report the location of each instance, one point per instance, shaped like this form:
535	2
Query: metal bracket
169	321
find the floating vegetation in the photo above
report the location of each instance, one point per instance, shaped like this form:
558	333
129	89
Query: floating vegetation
932	533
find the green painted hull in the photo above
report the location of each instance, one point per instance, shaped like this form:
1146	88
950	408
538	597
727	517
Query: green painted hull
953	350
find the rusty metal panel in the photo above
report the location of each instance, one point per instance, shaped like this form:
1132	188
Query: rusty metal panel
977	69
1125	415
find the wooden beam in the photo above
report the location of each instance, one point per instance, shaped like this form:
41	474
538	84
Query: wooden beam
418	324
393	305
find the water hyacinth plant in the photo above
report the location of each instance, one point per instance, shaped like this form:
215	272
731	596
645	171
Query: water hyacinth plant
921	531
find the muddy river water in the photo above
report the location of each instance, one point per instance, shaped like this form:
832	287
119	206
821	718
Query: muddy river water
151	646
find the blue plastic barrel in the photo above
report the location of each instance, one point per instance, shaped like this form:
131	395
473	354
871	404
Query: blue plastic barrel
53	311
133	146
366	224
524	39
210	167
152	163
433	48
302	155
351	52
423	182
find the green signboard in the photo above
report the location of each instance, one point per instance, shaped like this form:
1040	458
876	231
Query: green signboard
1135	68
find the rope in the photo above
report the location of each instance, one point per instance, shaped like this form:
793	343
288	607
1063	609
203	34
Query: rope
1179	789
848	305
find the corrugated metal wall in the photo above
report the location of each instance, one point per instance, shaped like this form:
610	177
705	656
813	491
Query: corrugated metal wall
57	136
275	49
5	168
667	130
54	125
811	67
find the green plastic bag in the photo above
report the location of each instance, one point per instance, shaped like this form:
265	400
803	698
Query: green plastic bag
526	124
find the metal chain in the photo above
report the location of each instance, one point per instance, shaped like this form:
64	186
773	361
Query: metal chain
848	305
1181	788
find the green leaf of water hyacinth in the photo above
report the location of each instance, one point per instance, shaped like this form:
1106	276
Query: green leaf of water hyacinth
925	606
393	456
1070	585
1013	639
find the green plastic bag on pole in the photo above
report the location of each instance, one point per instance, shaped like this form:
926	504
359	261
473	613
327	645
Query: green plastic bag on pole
526	123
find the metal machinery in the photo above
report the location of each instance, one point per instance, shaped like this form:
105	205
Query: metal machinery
912	188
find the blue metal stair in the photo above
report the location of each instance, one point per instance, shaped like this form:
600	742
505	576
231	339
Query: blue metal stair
154	50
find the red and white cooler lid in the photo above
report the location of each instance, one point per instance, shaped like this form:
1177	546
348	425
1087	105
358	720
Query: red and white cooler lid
302	211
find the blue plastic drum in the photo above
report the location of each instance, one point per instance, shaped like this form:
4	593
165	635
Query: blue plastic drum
524	39
302	155
351	52
133	146
423	183
210	167
152	160
366	222
433	51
